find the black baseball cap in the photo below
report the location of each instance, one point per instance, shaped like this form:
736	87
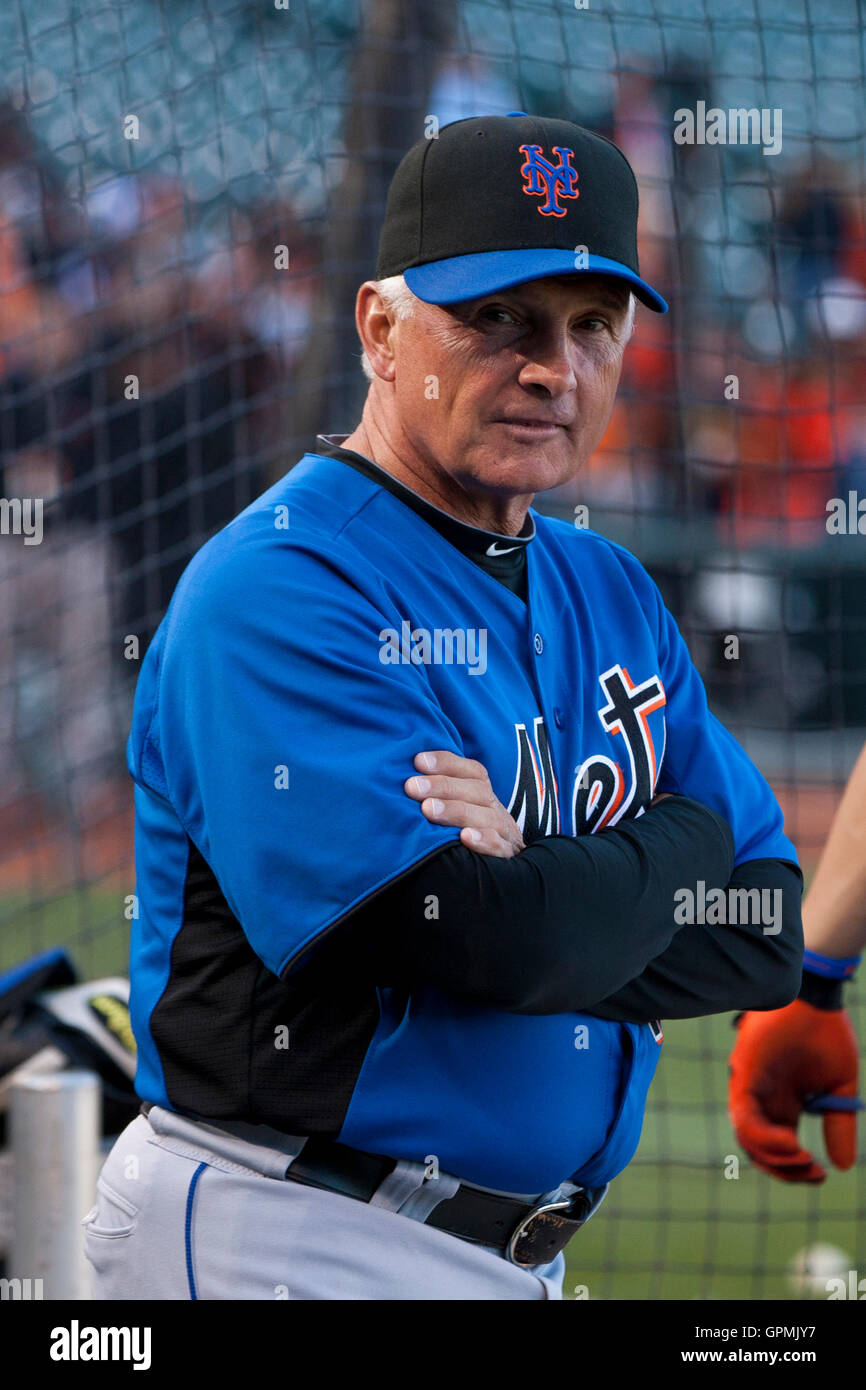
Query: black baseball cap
495	201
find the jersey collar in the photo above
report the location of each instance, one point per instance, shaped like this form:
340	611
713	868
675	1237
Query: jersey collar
502	557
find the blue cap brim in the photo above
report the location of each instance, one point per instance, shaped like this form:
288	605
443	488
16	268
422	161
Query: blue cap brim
470	277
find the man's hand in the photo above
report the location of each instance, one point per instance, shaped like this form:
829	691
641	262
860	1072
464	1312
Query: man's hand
782	1060
457	791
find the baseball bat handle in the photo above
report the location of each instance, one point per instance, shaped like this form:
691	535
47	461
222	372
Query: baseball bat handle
820	1105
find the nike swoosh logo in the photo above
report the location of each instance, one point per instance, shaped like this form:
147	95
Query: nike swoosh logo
494	549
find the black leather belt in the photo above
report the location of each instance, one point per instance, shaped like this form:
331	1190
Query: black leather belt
525	1233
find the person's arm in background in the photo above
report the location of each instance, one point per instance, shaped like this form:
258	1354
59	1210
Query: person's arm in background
804	1057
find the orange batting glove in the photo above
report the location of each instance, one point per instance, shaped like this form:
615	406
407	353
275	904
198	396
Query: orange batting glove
787	1061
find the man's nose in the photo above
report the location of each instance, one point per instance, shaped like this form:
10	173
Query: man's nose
550	365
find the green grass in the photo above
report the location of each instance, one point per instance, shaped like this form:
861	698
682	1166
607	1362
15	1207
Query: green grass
670	1231
88	922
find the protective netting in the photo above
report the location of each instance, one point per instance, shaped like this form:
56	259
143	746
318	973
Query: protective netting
190	193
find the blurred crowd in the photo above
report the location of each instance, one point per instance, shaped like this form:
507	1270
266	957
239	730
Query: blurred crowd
143	371
146	391
747	402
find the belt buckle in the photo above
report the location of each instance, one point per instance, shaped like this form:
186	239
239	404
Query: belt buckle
523	1238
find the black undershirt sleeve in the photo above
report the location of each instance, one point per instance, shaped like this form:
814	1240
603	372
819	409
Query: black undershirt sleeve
561	926
710	969
588	924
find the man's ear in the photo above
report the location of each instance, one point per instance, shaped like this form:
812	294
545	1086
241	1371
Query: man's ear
374	325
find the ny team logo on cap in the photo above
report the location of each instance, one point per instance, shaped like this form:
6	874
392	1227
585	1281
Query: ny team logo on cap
461	215
549	181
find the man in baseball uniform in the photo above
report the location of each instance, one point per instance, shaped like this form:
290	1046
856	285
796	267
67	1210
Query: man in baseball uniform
433	824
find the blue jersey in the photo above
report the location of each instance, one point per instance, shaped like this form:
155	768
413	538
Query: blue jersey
312	648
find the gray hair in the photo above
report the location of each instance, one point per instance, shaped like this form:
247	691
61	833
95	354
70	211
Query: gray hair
400	301
629	320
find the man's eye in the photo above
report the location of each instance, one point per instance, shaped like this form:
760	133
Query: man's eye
496	313
595	325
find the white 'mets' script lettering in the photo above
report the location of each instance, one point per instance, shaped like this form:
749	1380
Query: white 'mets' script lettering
75	1343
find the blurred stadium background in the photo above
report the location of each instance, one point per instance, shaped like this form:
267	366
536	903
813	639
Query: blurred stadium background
153	258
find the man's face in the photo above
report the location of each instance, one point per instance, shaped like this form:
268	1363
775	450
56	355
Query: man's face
526	380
